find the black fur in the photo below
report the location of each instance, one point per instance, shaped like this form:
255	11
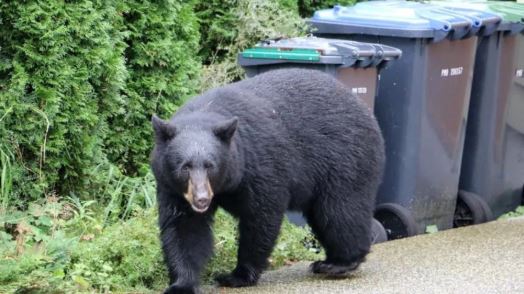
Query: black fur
289	140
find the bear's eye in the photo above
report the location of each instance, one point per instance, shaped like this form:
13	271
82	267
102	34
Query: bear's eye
208	165
186	166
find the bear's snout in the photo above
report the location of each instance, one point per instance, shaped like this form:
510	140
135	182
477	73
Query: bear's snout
199	192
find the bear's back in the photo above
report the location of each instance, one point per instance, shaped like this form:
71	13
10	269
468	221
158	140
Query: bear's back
313	106
308	108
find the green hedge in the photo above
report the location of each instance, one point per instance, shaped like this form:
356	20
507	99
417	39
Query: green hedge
78	83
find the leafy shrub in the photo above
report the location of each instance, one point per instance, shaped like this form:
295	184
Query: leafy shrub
218	28
308	7
57	63
518	212
62	246
225	23
78	83
34	247
161	43
123	256
246	23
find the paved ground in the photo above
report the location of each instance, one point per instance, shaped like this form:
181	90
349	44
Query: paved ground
486	258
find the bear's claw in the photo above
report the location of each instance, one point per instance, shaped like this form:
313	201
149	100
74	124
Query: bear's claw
242	276
230	280
332	269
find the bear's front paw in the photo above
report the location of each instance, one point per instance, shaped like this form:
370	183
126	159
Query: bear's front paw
177	289
240	277
333	269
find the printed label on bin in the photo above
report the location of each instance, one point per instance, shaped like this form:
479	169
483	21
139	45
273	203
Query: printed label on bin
519	73
450	72
359	90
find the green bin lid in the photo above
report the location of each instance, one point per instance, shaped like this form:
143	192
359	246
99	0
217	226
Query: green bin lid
282	53
512	13
318	50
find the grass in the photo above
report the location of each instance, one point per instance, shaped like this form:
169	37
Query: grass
6	180
518	212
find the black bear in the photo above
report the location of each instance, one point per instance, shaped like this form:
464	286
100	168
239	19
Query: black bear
289	139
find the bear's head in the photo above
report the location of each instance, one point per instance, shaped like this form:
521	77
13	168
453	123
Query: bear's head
194	156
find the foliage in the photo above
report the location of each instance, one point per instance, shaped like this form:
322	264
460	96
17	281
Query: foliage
54	61
241	24
78	83
44	246
308	7
518	212
34	248
217	28
224	23
161	41
122	257
48	248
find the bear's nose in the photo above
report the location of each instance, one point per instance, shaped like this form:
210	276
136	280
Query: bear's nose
202	202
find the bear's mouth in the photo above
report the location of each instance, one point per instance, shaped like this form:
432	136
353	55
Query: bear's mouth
199	210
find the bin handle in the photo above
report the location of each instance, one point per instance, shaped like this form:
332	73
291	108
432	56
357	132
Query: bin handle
381	62
489	23
445	28
473	28
351	54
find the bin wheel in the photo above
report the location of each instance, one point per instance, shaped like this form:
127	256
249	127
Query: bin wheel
471	210
397	220
488	213
378	233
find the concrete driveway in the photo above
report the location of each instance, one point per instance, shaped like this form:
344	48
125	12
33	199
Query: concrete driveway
486	258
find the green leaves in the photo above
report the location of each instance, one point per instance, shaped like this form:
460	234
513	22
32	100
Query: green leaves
431	229
231	26
308	7
78	84
518	212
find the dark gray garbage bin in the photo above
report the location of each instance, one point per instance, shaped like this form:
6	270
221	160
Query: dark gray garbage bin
492	172
514	155
355	64
422	105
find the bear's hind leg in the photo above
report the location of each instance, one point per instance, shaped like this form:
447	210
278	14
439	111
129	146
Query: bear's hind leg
342	224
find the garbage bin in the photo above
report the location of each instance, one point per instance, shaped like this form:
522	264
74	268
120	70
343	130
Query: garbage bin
492	171
514	141
514	155
422	105
355	64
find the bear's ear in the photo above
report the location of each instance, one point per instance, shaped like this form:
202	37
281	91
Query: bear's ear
226	129
163	131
